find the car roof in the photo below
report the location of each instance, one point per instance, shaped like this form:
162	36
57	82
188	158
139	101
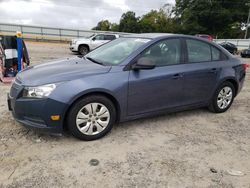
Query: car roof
160	35
202	35
163	35
150	35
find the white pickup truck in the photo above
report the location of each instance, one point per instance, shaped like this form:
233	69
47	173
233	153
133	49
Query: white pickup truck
84	45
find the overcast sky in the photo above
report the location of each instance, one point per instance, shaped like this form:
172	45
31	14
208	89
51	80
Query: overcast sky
76	14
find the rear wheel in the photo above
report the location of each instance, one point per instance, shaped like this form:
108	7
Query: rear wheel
83	50
91	117
223	98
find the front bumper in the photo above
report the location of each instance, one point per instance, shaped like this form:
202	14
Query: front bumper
73	47
36	113
240	86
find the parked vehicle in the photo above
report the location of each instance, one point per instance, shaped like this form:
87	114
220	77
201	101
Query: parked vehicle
208	37
230	47
132	77
85	45
245	53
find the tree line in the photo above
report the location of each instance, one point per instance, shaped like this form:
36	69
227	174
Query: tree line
220	18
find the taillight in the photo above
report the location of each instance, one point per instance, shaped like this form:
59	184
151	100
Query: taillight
245	66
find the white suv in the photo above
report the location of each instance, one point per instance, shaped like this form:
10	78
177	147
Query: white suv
84	45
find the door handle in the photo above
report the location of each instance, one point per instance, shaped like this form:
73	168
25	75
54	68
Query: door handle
177	76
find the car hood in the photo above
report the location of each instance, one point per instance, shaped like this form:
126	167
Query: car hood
59	71
82	40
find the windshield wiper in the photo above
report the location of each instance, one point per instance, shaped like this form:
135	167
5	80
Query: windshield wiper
94	61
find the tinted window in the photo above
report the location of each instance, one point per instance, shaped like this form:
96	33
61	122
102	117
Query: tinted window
109	37
166	52
99	37
215	54
198	51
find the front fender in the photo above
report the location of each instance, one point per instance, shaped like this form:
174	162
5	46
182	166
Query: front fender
91	91
70	91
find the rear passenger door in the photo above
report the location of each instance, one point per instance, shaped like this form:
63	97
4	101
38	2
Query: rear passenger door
201	71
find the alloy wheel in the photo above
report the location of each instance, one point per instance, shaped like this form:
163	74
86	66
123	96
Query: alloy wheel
225	97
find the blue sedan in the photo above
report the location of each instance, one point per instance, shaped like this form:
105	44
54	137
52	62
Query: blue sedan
131	77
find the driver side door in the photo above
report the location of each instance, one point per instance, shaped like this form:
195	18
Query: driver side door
159	88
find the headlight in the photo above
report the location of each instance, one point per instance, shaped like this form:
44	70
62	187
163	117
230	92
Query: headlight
38	91
74	41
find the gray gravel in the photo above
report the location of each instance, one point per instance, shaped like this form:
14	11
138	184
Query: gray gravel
176	150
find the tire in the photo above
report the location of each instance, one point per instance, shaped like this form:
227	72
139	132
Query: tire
83	50
90	114
220	106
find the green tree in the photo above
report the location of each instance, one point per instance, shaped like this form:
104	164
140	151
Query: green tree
103	25
129	23
114	27
220	18
157	21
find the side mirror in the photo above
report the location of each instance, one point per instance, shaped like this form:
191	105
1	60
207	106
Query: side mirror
93	38
143	63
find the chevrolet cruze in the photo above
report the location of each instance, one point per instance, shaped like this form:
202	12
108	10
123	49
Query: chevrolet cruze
131	77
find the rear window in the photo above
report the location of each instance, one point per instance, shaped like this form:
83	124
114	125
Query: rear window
215	54
110	37
198	51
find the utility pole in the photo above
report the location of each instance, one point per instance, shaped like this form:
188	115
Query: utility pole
248	4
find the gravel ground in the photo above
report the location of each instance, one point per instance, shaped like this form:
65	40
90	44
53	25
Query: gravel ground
188	149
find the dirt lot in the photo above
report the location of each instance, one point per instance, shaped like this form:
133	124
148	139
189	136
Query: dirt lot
176	150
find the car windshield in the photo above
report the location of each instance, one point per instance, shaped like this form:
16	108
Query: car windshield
116	51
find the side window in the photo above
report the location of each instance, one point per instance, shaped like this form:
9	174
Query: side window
166	52
215	54
99	37
109	37
198	51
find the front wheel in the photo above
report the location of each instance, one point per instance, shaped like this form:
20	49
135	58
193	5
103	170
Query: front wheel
83	50
91	117
223	98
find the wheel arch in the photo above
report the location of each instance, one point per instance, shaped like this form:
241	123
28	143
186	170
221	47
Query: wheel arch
235	84
233	81
102	93
83	45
